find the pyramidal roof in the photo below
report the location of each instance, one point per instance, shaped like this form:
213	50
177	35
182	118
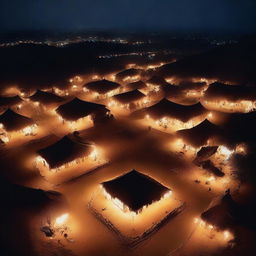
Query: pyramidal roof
167	108
63	151
13	121
45	97
77	108
135	189
129	97
102	86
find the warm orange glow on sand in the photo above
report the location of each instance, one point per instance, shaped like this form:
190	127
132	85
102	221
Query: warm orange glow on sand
80	124
205	229
13	136
120	143
71	169
167	124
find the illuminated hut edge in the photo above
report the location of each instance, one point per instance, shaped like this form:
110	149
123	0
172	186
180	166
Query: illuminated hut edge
220	217
128	100
102	88
134	191
45	99
134	206
169	116
65	153
129	75
7	102
12	124
155	83
230	98
79	114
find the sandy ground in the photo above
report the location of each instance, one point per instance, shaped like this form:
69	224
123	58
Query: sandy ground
126	145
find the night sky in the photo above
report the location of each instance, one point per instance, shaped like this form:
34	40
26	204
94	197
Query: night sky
152	15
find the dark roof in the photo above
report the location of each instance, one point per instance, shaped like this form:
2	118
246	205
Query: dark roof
198	135
63	151
210	167
45	97
223	214
170	109
230	92
129	97
102	86
135	189
9	101
128	72
171	90
157	80
136	85
77	108
188	85
13	121
241	126
205	153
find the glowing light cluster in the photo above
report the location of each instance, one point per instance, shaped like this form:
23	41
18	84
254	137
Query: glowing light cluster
194	94
7	136
241	149
243	106
136	104
30	130
41	163
61	220
131	78
226	234
224	152
152	87
95	77
124	208
76	79
172	124
79	124
60	92
4	138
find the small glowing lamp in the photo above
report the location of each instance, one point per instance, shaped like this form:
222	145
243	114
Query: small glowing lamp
226	235
62	219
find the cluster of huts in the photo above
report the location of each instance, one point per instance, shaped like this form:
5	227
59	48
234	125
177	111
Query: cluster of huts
188	109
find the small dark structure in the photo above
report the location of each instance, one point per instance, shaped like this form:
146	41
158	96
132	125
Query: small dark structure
45	98
136	85
135	189
199	135
132	72
223	214
229	92
76	108
9	101
205	152
64	151
210	167
157	81
13	121
129	97
101	86
166	108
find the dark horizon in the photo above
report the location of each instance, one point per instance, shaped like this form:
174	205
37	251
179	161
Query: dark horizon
135	16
